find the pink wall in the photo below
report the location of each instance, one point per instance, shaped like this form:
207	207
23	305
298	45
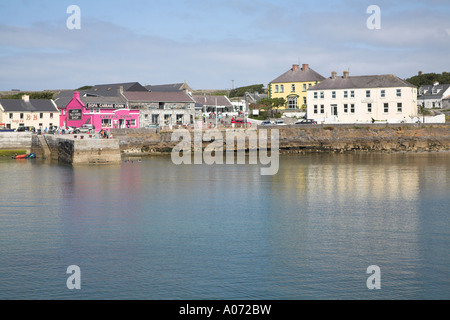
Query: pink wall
75	114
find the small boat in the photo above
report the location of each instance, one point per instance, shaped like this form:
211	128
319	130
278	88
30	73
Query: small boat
31	156
19	156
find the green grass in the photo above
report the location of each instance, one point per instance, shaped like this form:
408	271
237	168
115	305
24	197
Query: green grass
10	153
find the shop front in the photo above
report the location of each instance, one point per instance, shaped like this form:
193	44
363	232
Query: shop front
101	114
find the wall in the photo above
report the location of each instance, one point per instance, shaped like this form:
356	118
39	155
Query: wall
15	141
314	138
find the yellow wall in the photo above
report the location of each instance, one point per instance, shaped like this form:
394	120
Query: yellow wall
288	91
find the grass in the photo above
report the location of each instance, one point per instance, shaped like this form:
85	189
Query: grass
10	153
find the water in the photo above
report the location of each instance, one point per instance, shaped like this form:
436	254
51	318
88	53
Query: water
154	230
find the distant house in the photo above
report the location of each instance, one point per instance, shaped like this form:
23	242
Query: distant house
40	114
432	96
207	103
165	108
293	85
174	87
362	99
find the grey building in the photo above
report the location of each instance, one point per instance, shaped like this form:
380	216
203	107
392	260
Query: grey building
433	96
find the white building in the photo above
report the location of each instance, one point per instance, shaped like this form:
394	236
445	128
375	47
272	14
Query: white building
432	96
362	99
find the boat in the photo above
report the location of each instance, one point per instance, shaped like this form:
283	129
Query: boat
31	156
19	156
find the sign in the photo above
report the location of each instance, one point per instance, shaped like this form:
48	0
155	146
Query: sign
255	112
75	114
106	105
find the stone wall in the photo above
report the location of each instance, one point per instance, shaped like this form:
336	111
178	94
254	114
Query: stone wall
313	138
15	141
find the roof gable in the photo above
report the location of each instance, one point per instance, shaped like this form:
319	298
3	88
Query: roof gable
357	82
296	74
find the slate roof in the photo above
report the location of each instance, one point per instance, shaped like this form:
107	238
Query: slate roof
212	100
428	92
299	75
64	97
108	90
33	105
155	96
173	87
358	82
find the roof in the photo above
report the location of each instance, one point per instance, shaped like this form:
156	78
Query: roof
33	105
108	90
434	91
212	100
304	74
158	96
357	82
173	87
64	97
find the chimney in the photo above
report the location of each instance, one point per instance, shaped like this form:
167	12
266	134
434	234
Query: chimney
120	90
333	75
294	67
346	74
305	66
76	95
26	98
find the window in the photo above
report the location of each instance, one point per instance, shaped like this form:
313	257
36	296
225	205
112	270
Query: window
304	100
369	107
345	108
21	116
309	85
10	115
322	95
146	116
161	105
133	122
386	108
276	88
333	94
292	87
367	93
322	108
304	87
292	103
352	108
352	94
399	107
345	94
106	123
51	115
315	108
383	93
155	118
399	92
41	115
315	95
281	88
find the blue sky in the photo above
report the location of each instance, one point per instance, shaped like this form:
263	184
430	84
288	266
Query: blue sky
215	44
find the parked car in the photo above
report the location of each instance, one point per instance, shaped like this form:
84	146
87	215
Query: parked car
306	121
266	123
26	129
280	123
85	128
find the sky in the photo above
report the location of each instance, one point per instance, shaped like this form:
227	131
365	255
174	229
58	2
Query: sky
214	44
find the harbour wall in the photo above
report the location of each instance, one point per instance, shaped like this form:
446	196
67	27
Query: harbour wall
15	141
310	138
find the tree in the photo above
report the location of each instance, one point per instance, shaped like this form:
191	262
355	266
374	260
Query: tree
272	103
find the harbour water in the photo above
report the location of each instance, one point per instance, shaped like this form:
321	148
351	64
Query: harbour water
155	230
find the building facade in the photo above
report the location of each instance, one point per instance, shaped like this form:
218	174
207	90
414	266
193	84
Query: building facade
101	112
162	108
293	85
433	96
362	99
40	114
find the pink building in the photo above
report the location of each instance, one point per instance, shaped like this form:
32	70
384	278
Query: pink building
99	112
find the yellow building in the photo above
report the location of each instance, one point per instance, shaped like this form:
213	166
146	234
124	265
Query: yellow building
293	84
